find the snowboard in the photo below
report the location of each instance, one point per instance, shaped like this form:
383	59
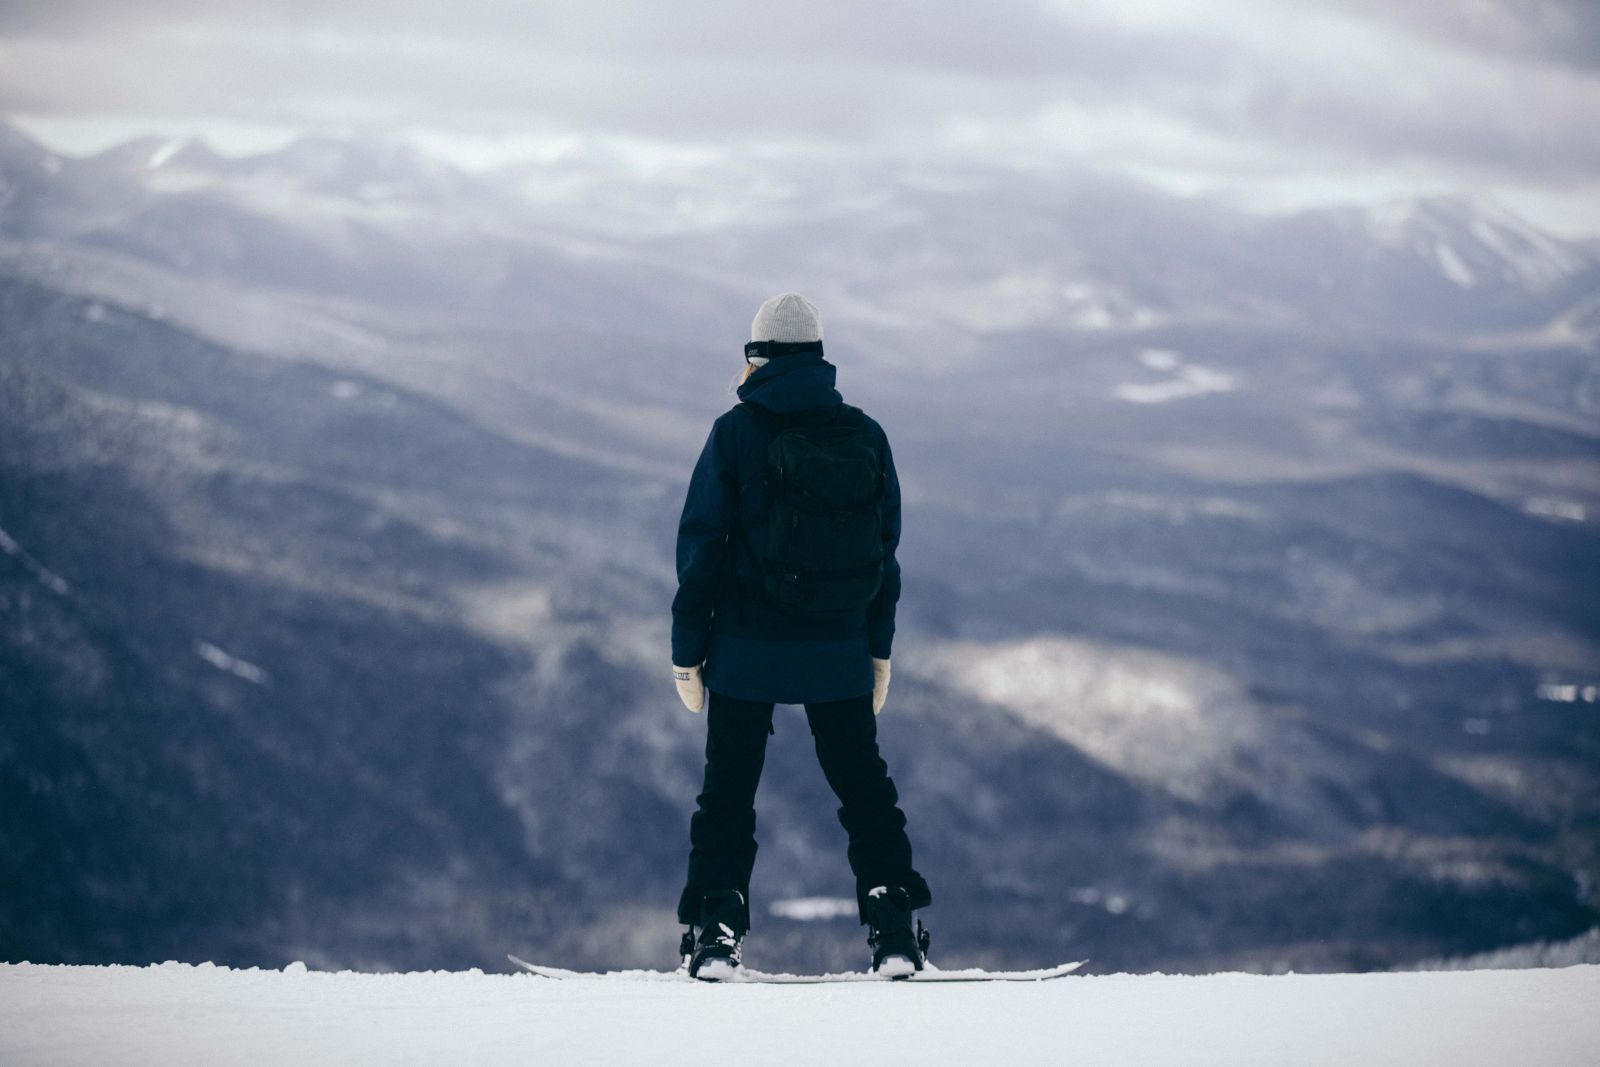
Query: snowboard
746	976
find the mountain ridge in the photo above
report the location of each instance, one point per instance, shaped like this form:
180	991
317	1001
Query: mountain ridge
367	583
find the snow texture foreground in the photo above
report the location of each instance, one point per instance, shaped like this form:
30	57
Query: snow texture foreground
177	1013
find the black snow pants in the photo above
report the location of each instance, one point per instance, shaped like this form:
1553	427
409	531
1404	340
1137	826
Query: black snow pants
722	831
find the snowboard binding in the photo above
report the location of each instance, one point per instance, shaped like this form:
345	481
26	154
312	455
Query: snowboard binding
713	954
899	950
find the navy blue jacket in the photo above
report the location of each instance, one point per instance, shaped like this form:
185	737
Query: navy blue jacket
721	616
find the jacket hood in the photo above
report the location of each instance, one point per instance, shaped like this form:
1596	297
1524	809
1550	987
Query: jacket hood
789	385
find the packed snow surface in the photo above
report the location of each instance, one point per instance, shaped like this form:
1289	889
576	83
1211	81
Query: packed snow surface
177	1013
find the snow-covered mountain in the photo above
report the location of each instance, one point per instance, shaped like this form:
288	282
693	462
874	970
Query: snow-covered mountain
982	252
1247	560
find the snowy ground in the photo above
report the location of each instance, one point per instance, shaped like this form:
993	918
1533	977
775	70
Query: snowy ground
176	1013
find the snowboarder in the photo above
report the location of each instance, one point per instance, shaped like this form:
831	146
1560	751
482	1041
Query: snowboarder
787	585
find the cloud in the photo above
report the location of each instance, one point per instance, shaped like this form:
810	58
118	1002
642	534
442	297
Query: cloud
1486	91
1565	32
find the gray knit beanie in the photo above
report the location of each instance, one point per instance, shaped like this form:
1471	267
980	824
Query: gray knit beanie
787	317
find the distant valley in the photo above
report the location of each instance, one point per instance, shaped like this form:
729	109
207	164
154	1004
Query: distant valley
1252	563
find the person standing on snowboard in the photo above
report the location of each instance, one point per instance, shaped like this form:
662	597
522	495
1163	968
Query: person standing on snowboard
787	585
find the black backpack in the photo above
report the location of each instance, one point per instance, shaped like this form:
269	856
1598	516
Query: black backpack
824	514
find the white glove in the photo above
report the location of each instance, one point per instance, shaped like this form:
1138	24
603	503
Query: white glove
880	684
690	689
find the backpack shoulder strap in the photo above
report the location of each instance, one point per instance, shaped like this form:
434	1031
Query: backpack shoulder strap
848	414
762	416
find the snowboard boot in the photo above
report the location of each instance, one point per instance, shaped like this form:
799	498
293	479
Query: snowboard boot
714	953
898	951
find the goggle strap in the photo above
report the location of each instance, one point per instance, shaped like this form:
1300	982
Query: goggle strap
773	349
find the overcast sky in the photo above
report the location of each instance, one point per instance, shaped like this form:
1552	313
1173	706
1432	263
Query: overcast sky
1287	102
